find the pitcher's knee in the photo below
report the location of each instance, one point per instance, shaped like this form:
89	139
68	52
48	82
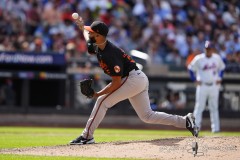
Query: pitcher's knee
104	101
146	119
101	98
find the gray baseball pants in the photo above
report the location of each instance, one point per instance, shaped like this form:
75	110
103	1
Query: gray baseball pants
135	88
210	93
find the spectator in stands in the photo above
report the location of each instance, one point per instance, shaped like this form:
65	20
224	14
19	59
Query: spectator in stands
38	45
236	44
52	13
191	55
33	18
174	100
57	40
182	26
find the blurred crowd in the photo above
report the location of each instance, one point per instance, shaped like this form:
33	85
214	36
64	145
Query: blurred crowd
169	31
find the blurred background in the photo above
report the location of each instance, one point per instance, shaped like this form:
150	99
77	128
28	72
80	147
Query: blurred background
43	55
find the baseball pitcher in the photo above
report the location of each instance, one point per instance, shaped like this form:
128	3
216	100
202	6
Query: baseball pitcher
206	70
128	82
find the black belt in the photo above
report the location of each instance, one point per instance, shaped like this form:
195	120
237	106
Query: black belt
134	68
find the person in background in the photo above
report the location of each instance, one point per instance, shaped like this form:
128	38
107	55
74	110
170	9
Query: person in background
206	70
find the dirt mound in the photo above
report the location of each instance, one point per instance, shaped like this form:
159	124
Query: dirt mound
172	148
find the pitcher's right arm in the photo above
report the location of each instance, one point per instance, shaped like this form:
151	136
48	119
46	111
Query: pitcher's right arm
80	24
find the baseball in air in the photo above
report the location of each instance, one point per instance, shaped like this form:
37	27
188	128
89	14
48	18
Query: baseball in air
75	16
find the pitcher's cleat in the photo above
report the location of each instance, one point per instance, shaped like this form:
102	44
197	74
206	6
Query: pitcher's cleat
190	124
81	140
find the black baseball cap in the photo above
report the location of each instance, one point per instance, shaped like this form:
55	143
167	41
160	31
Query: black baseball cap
209	44
98	27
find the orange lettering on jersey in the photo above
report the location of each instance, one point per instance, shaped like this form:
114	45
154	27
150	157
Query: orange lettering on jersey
104	67
128	57
117	69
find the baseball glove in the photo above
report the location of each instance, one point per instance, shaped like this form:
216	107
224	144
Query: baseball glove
86	88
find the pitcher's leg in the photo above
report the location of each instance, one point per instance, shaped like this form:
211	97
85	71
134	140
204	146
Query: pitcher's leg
95	118
214	113
201	97
141	104
130	87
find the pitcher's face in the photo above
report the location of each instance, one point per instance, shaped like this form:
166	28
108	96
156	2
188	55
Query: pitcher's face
93	37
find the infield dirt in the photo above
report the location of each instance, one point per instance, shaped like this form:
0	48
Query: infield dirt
170	148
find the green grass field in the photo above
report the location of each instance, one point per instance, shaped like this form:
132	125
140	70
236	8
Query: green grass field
20	137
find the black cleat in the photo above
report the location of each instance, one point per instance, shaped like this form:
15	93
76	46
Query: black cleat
81	140
190	124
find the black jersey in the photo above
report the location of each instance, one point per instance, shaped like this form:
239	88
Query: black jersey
114	61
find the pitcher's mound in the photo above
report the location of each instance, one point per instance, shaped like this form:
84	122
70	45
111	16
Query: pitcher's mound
172	148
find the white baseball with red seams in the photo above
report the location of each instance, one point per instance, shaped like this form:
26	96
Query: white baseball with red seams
207	72
75	15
